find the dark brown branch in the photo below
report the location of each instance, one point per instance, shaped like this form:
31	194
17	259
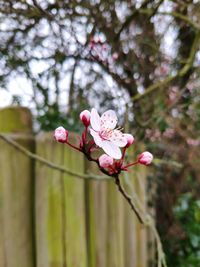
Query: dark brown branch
128	198
44	12
133	15
71	88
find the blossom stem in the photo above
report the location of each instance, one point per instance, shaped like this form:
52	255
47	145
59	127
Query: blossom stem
74	147
90	147
84	135
123	155
112	169
131	164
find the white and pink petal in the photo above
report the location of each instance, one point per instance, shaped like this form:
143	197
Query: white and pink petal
108	120
118	138
96	137
111	149
95	120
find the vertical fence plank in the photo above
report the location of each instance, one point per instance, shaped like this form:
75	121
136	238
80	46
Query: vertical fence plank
140	186
74	208
96	211
151	245
2	237
130	232
101	219
115	215
60	208
135	234
16	191
49	199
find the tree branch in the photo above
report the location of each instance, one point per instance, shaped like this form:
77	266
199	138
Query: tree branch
50	164
128	199
172	14
179	74
152	12
44	12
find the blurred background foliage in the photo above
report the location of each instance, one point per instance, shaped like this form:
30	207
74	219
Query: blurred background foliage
140	58
183	248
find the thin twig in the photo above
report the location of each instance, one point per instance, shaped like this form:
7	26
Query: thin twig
43	11
154	87
161	255
48	163
148	222
128	198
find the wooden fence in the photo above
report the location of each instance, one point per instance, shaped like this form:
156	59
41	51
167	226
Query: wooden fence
50	219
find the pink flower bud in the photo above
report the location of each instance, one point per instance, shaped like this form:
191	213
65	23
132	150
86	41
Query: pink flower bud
130	139
105	161
115	56
60	134
85	117
145	158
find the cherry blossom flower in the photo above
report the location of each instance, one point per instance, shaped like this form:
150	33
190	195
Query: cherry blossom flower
145	158
105	135
105	161
61	134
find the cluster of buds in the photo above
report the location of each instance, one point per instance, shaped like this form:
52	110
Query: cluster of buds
100	133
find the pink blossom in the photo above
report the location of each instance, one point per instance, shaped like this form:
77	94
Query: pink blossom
105	161
60	134
115	56
105	135
145	158
193	142
85	117
169	133
130	139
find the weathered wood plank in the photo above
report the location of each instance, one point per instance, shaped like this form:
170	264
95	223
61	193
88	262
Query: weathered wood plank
49	205
16	192
96	211
135	234
115	242
101	219
140	187
2	237
130	230
15	120
74	210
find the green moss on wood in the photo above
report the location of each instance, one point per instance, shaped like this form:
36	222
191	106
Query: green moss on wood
76	252
15	119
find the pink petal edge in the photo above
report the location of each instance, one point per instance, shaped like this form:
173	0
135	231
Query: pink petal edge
95	120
